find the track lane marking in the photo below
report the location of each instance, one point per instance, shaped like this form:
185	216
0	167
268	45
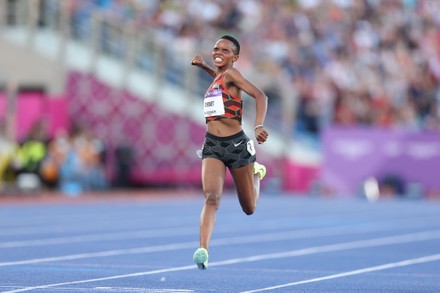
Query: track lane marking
382	241
403	263
137	234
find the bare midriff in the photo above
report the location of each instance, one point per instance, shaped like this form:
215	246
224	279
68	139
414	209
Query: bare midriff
224	127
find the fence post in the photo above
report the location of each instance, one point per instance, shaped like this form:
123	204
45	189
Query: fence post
64	33
130	37
32	16
3	14
97	19
159	66
11	112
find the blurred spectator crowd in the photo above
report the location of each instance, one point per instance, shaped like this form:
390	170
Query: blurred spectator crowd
70	162
350	62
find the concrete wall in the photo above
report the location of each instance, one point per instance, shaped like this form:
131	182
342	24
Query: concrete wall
21	65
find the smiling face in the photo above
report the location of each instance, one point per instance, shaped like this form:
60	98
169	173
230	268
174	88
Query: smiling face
224	54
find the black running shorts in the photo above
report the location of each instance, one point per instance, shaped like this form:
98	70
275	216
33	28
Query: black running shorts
235	151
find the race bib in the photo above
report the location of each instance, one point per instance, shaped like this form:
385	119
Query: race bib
214	103
251	147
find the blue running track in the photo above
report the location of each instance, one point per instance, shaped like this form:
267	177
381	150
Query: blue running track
291	244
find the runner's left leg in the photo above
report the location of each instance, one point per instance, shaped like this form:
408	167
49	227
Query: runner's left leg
248	187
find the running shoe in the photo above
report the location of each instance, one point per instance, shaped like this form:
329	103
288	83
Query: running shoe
260	169
200	258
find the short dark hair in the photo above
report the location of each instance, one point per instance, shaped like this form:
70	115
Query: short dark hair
234	41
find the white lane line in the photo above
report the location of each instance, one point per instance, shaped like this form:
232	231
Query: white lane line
399	239
405	238
139	234
140	290
107	289
147	249
176	269
407	262
97	225
268	237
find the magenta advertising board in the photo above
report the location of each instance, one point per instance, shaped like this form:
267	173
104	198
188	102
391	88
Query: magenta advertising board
34	107
351	155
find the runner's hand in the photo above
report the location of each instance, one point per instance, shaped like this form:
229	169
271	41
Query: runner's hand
261	135
197	60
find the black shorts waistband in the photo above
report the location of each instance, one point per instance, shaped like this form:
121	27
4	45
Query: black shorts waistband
223	138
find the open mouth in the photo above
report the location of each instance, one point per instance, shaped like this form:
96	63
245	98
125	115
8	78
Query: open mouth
218	59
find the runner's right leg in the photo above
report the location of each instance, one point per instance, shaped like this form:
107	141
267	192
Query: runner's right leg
213	178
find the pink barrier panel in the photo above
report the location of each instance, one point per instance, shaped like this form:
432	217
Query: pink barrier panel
32	108
2	105
57	115
297	177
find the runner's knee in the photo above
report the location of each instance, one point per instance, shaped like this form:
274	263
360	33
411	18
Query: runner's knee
248	209
212	198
